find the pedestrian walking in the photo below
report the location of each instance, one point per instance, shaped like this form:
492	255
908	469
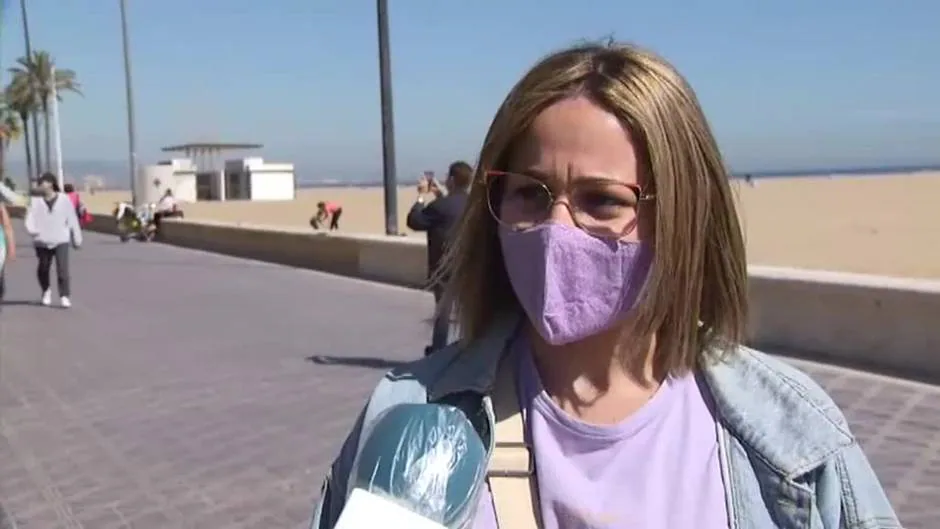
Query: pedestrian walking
84	216
53	224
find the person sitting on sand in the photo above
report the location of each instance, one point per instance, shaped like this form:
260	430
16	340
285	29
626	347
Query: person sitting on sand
327	210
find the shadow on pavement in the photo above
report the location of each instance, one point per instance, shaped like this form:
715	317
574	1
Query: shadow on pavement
20	303
355	361
6	521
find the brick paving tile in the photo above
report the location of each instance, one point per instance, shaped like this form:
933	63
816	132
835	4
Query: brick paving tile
177	393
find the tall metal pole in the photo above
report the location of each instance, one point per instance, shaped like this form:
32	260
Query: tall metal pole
131	128
388	123
35	114
57	131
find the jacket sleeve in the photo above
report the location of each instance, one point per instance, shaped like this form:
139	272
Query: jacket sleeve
848	493
30	220
870	506
75	228
423	217
335	487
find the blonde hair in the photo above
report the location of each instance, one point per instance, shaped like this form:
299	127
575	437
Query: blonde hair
695	299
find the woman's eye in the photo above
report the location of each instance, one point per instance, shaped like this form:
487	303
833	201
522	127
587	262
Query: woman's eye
599	200
528	192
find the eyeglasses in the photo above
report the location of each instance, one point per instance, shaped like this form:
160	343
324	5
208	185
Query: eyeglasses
603	207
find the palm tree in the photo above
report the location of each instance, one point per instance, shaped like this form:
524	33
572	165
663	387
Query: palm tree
24	107
36	77
10	130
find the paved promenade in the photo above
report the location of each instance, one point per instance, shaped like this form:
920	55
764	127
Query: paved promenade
189	390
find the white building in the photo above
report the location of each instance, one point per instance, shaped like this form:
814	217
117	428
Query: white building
178	175
254	179
243	179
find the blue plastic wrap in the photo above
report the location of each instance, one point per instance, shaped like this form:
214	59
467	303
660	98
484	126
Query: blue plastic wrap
426	458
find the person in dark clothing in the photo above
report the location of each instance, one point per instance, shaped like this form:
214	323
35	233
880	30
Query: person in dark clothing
438	218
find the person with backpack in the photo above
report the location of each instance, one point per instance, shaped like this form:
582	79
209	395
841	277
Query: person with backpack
53	223
84	217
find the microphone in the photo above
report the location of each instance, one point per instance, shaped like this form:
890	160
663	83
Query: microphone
421	466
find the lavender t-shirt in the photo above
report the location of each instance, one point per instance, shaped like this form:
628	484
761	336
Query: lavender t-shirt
657	469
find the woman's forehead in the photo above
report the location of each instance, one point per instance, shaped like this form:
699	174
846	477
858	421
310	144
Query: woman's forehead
575	138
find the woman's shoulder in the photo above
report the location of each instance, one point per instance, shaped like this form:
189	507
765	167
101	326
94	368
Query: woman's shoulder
777	409
747	373
796	428
410	382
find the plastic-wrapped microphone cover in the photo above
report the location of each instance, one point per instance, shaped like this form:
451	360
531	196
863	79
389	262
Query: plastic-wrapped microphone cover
427	458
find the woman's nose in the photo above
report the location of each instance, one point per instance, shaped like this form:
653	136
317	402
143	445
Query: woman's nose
560	212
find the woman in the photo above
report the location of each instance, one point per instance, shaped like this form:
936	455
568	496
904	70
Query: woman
600	279
52	222
327	210
84	217
7	245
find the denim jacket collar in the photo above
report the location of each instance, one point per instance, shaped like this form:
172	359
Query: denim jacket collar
766	410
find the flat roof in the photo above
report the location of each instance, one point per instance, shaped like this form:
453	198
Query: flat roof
206	146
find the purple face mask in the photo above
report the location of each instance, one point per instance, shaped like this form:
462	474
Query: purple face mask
571	284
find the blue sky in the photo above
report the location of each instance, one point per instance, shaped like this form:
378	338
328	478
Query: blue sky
785	84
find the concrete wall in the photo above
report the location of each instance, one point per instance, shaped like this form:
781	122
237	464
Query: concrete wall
885	324
879	323
301	248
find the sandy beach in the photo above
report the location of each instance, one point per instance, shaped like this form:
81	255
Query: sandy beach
877	224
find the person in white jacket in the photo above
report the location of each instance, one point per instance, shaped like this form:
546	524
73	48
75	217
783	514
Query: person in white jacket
52	222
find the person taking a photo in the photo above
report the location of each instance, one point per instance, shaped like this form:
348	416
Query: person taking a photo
438	215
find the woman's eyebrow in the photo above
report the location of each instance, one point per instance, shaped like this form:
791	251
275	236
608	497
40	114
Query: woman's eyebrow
537	174
547	177
599	179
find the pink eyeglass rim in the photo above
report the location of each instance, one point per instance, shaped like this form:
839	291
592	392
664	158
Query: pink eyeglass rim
642	197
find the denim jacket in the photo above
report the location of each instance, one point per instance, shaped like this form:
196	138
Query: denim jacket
788	458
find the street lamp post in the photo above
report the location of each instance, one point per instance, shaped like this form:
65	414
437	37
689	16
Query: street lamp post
57	130
35	115
388	122
131	134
